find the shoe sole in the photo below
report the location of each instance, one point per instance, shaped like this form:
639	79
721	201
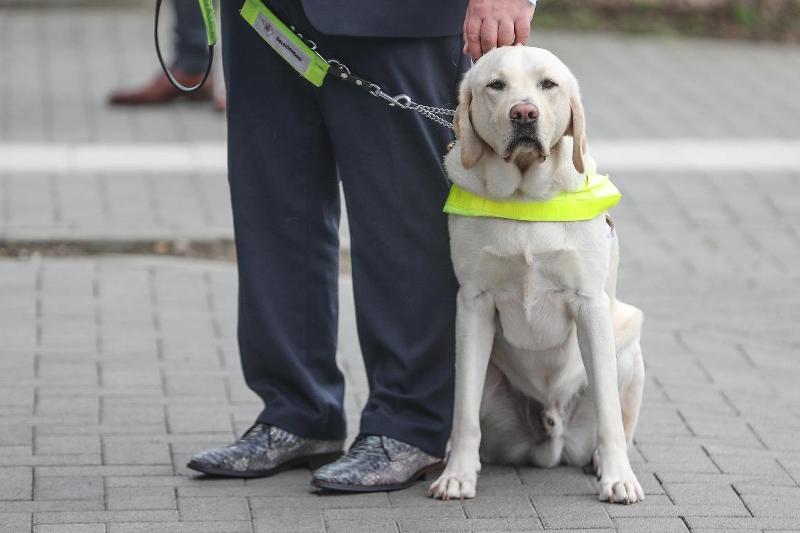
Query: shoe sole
311	461
428	472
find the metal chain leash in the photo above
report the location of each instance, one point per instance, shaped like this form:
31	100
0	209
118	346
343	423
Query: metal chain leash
403	101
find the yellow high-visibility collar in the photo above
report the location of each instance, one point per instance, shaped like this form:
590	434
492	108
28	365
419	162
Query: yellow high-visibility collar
595	197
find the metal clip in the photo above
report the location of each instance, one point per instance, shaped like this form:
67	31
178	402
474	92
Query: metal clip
403	100
338	64
375	90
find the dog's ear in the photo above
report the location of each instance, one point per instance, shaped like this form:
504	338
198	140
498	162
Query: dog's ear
577	128
471	143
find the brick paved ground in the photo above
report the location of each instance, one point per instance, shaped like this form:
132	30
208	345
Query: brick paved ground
114	370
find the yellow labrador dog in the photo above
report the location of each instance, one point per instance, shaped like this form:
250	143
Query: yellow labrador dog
549	368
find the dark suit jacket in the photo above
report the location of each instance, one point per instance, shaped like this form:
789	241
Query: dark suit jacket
387	18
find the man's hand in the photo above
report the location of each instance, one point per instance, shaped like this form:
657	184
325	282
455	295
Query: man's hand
493	23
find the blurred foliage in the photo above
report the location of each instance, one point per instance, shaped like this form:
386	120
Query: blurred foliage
755	19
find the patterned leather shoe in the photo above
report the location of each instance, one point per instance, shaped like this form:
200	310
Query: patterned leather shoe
265	450
374	464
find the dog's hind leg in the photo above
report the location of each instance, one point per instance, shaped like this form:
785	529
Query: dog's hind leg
627	324
505	440
630	365
631	396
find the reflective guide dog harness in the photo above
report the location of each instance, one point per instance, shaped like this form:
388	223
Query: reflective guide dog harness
596	196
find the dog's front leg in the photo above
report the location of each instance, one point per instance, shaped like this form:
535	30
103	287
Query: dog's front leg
596	340
474	338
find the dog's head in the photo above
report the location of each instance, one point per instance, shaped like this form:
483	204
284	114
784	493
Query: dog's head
519	101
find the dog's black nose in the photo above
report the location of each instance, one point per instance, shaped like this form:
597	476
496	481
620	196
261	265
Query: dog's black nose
523	113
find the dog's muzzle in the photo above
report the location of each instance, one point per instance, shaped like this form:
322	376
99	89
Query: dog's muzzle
525	136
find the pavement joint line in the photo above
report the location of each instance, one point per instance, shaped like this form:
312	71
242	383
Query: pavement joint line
708	155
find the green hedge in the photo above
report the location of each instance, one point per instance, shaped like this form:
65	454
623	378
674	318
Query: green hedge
756	19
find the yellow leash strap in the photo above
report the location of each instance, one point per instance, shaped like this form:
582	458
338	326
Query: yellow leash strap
281	38
596	196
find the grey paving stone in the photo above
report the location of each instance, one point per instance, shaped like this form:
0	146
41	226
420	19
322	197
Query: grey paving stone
80	517
507	506
354	501
557	512
662	506
562	480
354	514
104	470
83	407
748	464
69	488
16	396
172	481
650	483
70	528
182	527
497	481
15	522
655	525
189	419
119	450
291	519
774	505
17	483
133	498
64	444
694	493
15	434
117	410
369	525
414	497
742	523
214	508
37	506
719	530
477	524
712	479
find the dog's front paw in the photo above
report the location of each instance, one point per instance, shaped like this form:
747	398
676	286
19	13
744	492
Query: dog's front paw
618	483
457	482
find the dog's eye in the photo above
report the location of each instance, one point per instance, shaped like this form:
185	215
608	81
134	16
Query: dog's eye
497	85
547	83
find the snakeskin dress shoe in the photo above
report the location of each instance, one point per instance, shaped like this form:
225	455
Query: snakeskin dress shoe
265	450
375	464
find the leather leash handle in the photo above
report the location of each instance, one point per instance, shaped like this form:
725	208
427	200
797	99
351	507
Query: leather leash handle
209	20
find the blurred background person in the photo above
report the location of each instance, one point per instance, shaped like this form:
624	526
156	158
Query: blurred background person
188	66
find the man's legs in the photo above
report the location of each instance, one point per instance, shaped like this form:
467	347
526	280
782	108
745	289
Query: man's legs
390	162
286	211
191	44
188	65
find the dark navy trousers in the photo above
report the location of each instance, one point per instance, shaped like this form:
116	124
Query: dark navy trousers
290	144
